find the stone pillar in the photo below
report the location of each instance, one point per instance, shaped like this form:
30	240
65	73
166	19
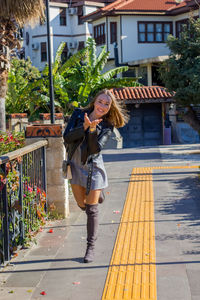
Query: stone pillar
57	186
172	117
16	122
149	74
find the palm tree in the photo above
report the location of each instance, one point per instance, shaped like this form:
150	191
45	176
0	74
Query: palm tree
13	14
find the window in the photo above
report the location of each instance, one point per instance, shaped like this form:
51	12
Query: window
130	73
80	14
113	32
154	32
81	45
27	38
22	53
64	53
63	19
43	47
99	34
142	72
180	25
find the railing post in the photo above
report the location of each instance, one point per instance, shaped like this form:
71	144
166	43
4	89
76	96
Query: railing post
21	196
6	238
44	170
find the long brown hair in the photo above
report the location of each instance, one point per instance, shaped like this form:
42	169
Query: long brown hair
117	115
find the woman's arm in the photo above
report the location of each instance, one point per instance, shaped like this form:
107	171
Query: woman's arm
72	132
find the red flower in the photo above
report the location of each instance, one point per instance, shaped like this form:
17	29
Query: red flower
30	189
43	293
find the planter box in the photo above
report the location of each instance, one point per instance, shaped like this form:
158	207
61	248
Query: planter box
44	130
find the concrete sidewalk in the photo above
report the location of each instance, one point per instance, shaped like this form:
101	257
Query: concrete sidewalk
55	265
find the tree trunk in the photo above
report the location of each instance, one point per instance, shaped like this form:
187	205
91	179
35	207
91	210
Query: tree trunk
190	117
3	90
8	41
2	115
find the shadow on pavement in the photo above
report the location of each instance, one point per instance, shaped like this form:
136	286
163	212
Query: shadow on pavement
183	201
131	156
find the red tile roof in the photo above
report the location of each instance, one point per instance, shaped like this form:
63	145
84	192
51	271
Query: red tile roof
142	94
76	1
149	5
156	6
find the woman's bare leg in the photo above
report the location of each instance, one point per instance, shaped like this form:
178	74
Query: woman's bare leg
79	194
93	197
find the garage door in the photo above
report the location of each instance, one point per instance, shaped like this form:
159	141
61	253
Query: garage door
144	127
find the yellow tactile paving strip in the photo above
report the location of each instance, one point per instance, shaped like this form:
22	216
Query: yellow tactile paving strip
132	270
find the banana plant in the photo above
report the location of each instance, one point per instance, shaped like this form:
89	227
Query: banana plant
78	79
88	78
62	73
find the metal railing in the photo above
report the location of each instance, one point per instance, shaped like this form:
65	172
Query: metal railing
22	195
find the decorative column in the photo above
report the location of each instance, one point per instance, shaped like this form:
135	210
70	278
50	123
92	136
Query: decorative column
149	74
57	186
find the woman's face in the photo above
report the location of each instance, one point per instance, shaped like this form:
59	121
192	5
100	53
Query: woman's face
102	105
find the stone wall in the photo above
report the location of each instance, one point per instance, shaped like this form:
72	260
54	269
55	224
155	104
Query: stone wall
57	186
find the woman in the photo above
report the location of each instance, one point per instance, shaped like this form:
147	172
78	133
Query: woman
85	135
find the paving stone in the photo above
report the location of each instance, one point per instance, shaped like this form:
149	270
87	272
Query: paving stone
177	215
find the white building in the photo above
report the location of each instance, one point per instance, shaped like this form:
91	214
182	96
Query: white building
65	25
140	29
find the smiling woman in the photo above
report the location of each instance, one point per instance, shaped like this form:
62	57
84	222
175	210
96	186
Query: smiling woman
101	106
85	136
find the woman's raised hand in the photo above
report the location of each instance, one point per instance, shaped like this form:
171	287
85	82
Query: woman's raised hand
92	124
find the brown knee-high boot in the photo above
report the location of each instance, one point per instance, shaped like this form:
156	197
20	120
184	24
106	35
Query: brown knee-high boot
92	228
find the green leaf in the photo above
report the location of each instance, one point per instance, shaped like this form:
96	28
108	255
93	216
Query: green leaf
75	103
91	51
101	60
111	73
72	61
59	52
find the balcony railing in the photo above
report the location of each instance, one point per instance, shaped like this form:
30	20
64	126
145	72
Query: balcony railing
22	195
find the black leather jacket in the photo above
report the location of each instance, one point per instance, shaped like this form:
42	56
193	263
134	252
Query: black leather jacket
91	142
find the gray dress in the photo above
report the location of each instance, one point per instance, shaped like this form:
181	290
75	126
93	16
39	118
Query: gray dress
80	172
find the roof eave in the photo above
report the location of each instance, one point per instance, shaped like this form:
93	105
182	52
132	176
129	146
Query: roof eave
181	10
97	15
149	100
91	18
139	12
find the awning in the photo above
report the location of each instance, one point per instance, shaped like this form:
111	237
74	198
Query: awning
144	94
149	60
